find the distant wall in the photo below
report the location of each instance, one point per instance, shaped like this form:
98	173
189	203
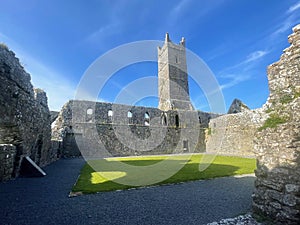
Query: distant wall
24	120
233	134
121	130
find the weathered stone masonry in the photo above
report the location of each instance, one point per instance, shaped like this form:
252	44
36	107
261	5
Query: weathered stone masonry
96	127
277	142
25	119
233	134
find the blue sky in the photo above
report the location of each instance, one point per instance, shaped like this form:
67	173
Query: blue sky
57	41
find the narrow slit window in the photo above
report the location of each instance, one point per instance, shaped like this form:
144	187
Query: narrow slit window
177	121
147	119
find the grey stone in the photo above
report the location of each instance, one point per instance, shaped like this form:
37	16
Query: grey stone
277	148
24	120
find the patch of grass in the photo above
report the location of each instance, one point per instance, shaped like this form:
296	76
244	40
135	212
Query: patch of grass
115	173
209	132
273	121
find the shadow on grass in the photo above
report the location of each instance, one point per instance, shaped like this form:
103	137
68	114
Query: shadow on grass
124	174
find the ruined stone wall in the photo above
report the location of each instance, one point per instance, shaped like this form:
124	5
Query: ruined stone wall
233	134
119	130
25	117
277	142
7	156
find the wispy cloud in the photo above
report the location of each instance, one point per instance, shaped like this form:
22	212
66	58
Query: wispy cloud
234	80
241	71
290	19
191	10
59	90
247	62
102	32
179	7
284	26
294	8
254	56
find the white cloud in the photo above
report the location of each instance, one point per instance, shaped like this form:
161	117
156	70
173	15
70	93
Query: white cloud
240	72
243	65
255	55
179	7
234	80
294	8
102	32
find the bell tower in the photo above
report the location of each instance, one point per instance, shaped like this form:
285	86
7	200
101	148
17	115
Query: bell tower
173	88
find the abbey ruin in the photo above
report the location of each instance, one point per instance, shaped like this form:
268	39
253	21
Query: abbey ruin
99	129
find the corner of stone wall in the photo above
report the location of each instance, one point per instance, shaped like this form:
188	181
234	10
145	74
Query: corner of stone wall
25	116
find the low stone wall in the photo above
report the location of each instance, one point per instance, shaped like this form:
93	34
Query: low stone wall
7	159
277	142
233	134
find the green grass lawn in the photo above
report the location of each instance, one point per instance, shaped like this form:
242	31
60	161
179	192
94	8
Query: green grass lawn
124	173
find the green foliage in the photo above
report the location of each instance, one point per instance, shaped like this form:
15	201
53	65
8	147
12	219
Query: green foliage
297	95
285	99
273	121
269	110
220	167
209	132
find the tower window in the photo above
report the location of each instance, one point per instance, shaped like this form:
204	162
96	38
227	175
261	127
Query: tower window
89	111
164	119
176	59
129	116
110	114
147	119
177	121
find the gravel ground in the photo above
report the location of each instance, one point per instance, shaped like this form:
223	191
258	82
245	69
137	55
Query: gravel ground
45	200
246	219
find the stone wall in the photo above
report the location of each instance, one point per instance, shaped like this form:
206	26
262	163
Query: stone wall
277	142
233	134
25	117
7	159
106	129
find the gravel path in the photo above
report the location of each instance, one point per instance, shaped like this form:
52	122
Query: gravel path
45	201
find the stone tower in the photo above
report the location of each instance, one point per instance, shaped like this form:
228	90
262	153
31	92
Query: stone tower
173	88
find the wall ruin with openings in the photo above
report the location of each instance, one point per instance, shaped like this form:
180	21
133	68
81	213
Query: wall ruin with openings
120	130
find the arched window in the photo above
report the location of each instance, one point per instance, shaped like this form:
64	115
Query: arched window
164	119
177	121
89	111
129	116
110	114
147	119
200	121
89	115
